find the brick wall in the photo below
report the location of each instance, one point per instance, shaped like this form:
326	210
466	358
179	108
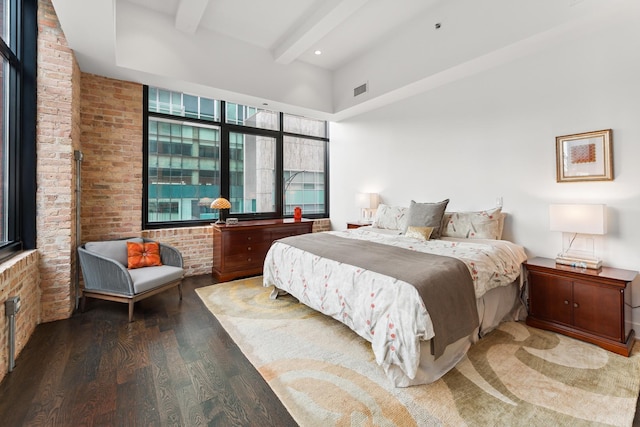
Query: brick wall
19	276
58	107
111	137
323	224
195	244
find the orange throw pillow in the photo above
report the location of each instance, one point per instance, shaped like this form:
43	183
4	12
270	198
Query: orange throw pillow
143	254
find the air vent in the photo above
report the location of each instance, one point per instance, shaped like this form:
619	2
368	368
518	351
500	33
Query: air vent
360	89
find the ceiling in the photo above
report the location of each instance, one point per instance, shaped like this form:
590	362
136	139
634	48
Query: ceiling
262	52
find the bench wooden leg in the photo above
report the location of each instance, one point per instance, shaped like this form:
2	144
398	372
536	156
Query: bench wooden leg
131	311
180	290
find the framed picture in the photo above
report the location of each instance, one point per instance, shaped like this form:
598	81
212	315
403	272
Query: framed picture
585	156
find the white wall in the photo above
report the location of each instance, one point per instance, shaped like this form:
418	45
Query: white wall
493	134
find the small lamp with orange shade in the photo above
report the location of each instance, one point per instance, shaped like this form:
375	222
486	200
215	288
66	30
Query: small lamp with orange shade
220	203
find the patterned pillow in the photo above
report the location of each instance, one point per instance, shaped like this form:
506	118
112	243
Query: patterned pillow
143	255
474	225
421	233
390	217
427	215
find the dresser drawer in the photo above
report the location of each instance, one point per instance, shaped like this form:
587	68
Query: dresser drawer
281	233
243	247
243	261
249	236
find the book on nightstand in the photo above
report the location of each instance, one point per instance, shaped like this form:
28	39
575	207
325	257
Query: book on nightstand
580	263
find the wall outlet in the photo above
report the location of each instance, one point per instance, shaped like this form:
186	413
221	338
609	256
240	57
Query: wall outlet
12	306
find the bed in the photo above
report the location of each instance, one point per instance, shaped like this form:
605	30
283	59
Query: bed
420	301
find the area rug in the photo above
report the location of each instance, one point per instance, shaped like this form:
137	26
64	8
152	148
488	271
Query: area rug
325	374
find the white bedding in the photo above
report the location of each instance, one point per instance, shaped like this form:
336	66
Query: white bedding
385	311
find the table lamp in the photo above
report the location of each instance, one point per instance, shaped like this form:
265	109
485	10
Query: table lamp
368	203
579	223
220	203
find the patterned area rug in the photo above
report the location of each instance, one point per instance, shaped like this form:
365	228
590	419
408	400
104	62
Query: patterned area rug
325	374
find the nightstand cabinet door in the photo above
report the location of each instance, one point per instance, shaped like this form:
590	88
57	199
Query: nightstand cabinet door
550	298
597	309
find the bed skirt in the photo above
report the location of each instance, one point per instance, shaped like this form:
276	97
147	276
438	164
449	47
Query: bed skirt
498	305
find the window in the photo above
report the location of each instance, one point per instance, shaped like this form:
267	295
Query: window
304	175
17	125
252	173
305	126
251	116
179	104
178	173
264	162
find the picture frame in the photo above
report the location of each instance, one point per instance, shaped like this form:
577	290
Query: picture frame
585	156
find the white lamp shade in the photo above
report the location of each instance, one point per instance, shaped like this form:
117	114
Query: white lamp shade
367	200
574	218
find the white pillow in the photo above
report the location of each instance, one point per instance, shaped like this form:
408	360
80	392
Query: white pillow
474	225
391	217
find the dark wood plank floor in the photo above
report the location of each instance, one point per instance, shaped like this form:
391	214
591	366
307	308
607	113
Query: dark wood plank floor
174	365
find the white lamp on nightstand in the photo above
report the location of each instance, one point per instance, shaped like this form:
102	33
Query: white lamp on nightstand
368	203
579	224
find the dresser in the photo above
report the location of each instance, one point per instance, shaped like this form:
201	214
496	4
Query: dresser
590	305
239	249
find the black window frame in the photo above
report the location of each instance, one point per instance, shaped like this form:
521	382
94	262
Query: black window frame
21	127
225	129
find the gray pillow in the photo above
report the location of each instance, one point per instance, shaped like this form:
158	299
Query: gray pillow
427	215
114	249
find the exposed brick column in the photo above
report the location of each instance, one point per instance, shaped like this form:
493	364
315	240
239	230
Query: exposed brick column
112	167
58	107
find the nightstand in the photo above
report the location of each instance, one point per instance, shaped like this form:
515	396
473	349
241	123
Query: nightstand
590	305
357	224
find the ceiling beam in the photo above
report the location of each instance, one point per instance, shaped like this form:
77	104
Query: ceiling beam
189	14
329	15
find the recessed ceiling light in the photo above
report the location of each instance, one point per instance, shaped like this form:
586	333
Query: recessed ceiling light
318	52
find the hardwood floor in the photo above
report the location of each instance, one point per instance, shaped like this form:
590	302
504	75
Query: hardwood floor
174	365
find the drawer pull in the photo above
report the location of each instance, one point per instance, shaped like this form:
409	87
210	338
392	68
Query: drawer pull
248	248
566	302
575	305
249	238
249	259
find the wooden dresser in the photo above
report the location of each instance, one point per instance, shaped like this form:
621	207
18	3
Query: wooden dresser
239	249
590	305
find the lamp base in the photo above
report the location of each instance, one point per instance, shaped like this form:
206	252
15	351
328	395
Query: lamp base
220	221
593	264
